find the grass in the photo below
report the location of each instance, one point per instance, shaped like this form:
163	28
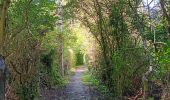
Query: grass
66	78
89	79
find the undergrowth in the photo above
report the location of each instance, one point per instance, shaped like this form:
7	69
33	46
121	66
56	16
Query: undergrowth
90	80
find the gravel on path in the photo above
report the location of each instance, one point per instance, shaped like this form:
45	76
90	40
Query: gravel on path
75	90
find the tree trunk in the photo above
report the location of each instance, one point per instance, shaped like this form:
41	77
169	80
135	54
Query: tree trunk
61	38
4	4
3	13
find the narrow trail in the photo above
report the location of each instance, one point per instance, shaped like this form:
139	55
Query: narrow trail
75	90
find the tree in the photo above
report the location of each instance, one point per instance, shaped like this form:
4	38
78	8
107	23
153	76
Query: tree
4	5
22	47
166	8
3	18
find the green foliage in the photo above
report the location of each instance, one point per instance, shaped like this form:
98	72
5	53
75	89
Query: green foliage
160	33
116	53
120	61
89	79
51	55
163	63
28	91
27	22
79	58
49	69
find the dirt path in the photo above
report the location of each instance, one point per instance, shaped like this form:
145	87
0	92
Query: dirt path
75	90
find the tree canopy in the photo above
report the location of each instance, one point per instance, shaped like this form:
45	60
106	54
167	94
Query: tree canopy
124	43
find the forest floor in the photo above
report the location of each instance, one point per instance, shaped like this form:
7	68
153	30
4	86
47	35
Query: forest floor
74	90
